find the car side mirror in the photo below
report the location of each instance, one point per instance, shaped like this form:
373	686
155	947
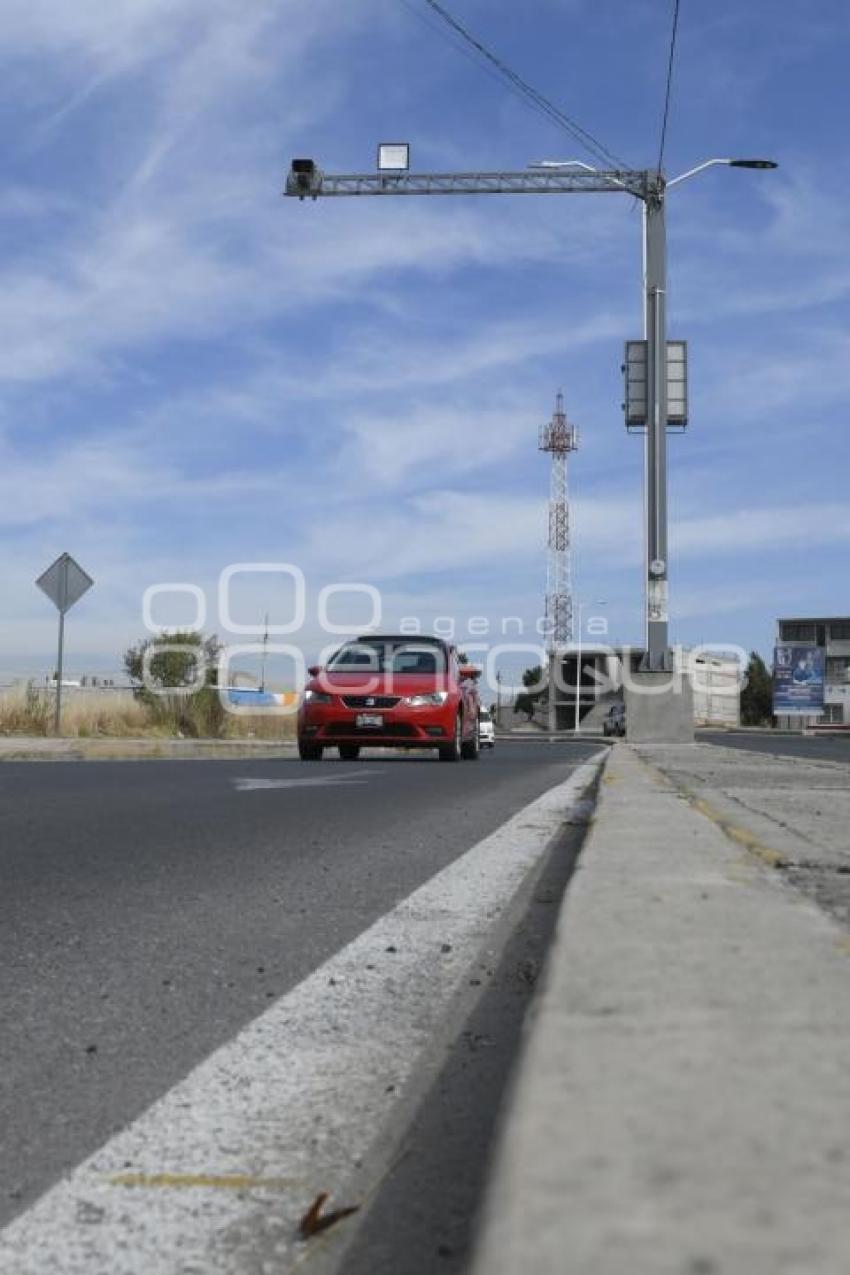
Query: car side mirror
469	671
314	670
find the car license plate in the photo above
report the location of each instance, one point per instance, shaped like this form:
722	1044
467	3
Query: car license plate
370	719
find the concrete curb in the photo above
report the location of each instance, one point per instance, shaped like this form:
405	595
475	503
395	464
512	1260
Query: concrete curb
108	749
549	737
682	1096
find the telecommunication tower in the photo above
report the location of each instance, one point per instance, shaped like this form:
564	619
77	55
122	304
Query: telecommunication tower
559	438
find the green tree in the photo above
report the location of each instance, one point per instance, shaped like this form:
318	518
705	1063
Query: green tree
757	695
533	681
172	662
524	703
533	677
175	663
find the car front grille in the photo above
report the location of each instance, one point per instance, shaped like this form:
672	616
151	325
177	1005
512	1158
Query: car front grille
370	701
348	730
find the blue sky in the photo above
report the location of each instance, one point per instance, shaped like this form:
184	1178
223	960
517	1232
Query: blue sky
197	372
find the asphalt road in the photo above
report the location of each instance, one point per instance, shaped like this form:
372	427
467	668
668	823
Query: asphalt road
812	748
149	910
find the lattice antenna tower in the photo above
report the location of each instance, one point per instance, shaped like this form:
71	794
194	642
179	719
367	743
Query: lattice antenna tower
559	438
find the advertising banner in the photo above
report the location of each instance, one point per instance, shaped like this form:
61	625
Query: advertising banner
798	680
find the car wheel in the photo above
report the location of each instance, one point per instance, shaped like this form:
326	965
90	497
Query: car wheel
310	752
349	752
452	751
470	749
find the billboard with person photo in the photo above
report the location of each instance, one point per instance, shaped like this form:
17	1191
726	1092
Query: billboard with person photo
798	680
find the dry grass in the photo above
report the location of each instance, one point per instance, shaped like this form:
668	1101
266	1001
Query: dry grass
24	711
28	710
103	713
258	726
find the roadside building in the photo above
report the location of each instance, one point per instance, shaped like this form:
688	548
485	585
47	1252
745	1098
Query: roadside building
821	645
715	683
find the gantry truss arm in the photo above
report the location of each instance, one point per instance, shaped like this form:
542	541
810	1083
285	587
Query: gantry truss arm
307	181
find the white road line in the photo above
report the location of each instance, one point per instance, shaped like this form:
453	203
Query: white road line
311	1096
311	781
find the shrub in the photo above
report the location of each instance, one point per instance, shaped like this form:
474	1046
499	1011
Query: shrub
199	714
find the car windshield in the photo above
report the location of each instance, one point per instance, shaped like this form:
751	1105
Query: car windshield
390	657
483	715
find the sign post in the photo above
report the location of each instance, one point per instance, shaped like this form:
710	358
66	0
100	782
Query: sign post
64	582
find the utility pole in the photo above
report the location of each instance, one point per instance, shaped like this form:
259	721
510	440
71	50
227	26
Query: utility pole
658	657
499	698
263	662
307	181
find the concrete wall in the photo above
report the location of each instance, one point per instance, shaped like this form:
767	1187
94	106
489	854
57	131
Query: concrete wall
659	709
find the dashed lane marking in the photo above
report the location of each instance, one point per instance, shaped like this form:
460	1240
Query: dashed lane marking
243	784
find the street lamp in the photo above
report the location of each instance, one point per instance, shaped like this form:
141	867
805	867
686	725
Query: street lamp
552	177
729	163
657	654
580	607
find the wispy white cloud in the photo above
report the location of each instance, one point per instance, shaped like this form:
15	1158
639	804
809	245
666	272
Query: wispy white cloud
740	531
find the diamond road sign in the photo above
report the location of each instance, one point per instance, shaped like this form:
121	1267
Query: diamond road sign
64	582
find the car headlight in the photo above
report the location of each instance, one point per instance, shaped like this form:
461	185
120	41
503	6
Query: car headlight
433	698
317	697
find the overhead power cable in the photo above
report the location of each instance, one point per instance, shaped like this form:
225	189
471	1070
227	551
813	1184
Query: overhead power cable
527	91
669	83
439	28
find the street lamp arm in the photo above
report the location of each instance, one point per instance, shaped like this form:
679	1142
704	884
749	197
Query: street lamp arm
709	163
729	163
550	164
564	163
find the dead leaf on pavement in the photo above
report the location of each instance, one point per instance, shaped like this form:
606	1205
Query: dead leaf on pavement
315	1221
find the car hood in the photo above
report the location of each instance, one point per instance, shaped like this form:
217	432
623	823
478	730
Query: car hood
371	683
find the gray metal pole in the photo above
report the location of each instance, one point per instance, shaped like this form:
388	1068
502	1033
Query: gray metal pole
552	710
577	722
63	606
61	661
655	301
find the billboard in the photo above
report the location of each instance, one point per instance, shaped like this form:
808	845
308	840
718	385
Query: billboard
798	680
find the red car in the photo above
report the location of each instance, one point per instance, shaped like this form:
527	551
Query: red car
391	692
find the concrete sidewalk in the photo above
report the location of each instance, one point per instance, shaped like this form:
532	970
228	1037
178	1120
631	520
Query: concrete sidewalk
683	1102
